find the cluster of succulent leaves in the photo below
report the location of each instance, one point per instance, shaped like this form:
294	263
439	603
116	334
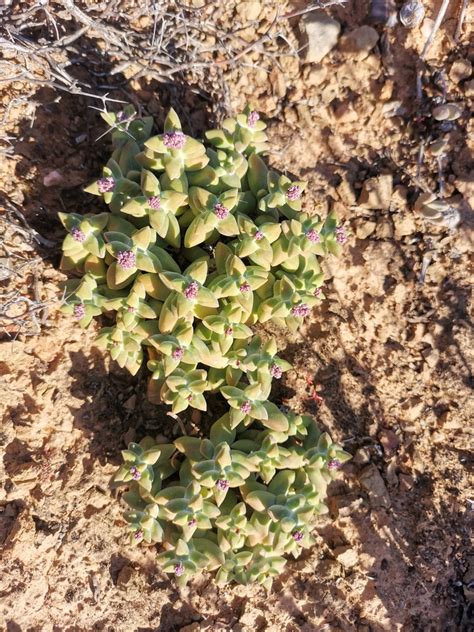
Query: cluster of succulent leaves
239	502
202	241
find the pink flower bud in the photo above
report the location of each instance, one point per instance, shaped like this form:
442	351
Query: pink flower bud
245	287
293	193
222	484
79	311
105	185
179	569
191	290
313	236
177	353
174	140
154	202
126	259
220	210
275	371
253	118
301	310
246	407
77	234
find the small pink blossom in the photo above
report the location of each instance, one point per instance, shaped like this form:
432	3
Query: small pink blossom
313	236
105	185
77	235
317	292
179	569
131	310
138	535
253	118
191	290
245	287
334	464
259	235
229	331
275	371
293	193
301	310
246	407
177	353
297	536
341	236
154	202
135	473
126	259
79	311
174	140
222	484
220	210
192	522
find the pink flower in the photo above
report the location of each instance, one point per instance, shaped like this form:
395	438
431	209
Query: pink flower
253	118
154	202
313	236
177	353
246	407
191	290
317	292
77	234
245	287
293	193
300	310
79	311
135	473
341	236
220	210
138	535
334	464
229	331
222	484
174	140
258	235
275	371
126	259
192	522
105	185
131	310
189	398
179	569
297	536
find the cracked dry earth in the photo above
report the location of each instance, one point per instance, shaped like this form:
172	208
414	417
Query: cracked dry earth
391	360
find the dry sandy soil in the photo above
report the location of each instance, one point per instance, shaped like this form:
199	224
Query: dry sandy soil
391	357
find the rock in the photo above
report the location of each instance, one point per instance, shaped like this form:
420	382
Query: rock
124	575
460	70
469	88
384	229
431	357
377	192
372	482
322	33
360	41
317	75
346	192
131	402
406	482
389	441
53	179
362	456
345	113
249	11
346	556
404	225
364	229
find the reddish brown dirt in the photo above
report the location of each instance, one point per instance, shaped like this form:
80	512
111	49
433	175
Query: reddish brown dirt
391	360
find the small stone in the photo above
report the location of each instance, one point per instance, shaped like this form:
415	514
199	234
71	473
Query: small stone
404	225
131	403
406	482
469	88
384	229
360	41
373	483
345	113
125	575
317	75
389	441
346	192
364	229
460	70
346	556
431	357
322	33
362	456
249	11
377	192
53	179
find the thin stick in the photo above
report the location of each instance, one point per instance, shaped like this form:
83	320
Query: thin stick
436	25
462	15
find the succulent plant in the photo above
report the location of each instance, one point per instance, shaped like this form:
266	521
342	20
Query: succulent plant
239	502
201	242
